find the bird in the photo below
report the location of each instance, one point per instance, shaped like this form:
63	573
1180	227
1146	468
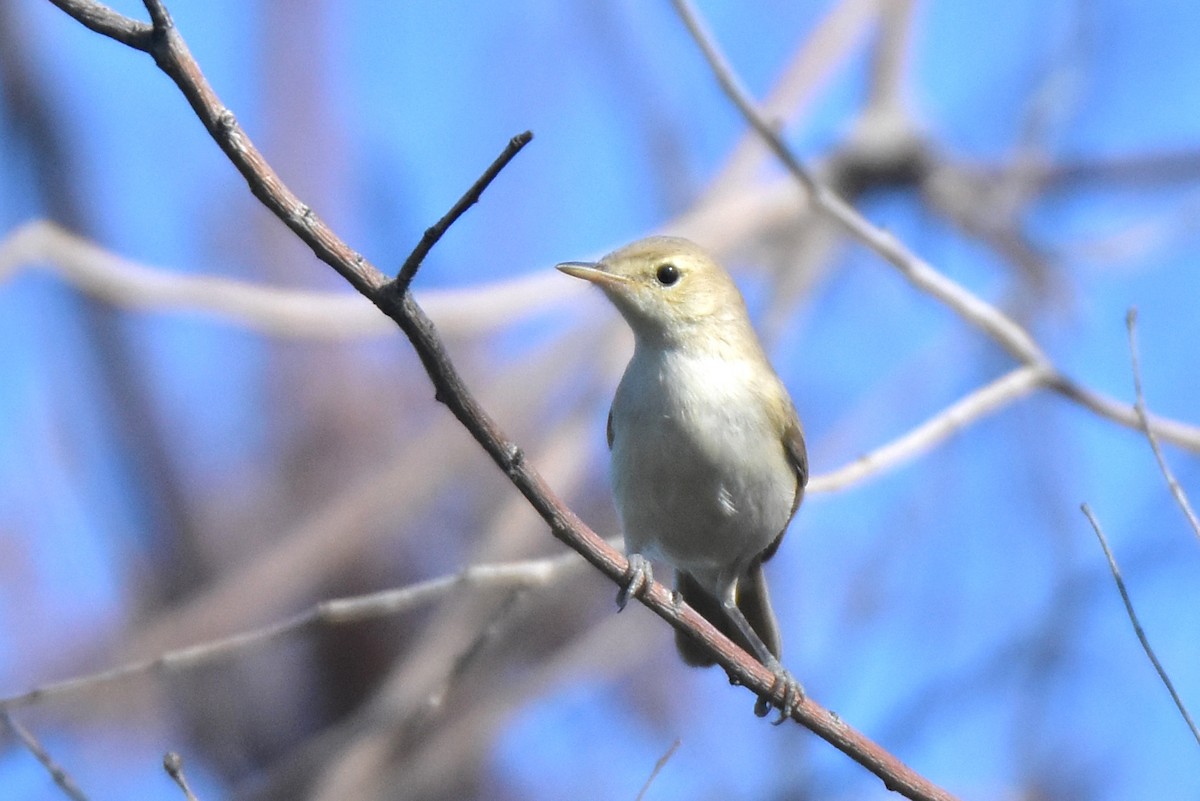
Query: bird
708	459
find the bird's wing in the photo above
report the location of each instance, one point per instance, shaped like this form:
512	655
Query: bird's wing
797	457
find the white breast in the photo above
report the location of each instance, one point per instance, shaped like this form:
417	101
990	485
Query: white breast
700	476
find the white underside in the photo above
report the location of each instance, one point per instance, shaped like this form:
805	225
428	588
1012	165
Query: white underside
699	472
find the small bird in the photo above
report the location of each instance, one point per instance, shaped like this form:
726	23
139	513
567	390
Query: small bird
708	456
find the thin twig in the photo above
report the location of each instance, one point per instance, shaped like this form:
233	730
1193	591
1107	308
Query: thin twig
1137	627
173	765
658	766
1143	419
59	774
980	403
335	612
469	198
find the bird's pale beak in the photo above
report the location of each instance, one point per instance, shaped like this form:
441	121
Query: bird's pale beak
591	271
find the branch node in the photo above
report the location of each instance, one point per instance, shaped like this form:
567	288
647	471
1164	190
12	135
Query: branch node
514	459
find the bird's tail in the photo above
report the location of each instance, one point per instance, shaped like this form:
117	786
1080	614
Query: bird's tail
752	600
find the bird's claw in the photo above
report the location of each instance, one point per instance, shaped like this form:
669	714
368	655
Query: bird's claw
638	579
793	694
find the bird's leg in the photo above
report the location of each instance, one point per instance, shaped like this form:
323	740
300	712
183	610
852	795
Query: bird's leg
793	692
638	579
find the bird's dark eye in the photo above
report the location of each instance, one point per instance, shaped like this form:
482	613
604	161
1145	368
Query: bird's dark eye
667	274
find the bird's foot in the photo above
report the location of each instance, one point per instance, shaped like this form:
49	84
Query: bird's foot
638	578
793	693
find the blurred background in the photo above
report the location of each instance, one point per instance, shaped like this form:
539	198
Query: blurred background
203	430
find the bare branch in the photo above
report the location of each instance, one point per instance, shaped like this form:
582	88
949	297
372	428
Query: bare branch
980	403
1140	407
1137	627
1182	434
335	612
59	774
272	311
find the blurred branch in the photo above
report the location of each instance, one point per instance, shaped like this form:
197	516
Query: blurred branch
1137	626
1137	171
170	53
974	310
890	57
272	311
1140	406
335	612
980	403
61	778
813	65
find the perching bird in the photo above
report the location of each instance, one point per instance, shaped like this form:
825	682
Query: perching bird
708	456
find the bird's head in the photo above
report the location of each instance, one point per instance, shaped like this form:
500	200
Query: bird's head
669	290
